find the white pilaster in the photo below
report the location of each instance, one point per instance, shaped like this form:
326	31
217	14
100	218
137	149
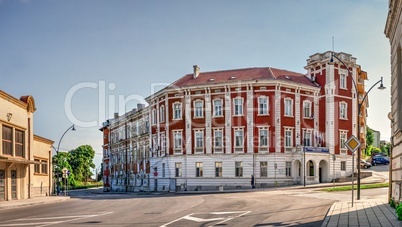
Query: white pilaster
278	111
250	119
297	116
187	121
208	120
228	120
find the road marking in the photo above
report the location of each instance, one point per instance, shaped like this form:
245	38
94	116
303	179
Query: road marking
57	220
201	219
191	217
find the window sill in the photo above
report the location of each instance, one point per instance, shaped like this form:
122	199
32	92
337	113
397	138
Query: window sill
218	116
199	117
177	119
262	114
289	116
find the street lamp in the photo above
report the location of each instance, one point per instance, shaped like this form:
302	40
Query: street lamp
359	107
72	127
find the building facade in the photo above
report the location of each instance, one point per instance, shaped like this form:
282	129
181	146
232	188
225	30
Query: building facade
376	138
25	158
126	160
393	31
214	130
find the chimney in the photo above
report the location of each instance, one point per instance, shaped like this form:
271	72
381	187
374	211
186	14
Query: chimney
140	106
196	71
116	115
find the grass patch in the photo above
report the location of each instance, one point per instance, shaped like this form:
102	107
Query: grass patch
349	187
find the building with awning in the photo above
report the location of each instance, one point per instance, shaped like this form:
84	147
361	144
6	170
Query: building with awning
25	169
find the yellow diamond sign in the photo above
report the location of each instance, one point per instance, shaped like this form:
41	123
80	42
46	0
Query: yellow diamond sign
352	143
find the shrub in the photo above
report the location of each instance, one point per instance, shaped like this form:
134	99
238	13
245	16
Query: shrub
392	203
399	211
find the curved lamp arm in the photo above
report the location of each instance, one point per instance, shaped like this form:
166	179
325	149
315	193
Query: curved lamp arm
58	146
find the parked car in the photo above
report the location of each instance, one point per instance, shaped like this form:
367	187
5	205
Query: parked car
380	160
364	164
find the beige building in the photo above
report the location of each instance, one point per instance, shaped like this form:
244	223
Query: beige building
25	158
393	31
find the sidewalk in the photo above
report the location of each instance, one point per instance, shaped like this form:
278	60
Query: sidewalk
32	201
363	213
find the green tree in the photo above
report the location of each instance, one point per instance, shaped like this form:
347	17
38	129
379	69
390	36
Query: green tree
386	148
61	161
81	161
369	137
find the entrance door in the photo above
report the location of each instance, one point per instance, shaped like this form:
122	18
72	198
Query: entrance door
2	185
320	174
13	184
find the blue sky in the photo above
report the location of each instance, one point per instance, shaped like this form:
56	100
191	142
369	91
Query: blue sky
48	47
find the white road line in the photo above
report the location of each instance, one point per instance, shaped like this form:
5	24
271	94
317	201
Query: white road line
22	224
165	225
61	217
201	219
105	213
228	219
191	218
42	223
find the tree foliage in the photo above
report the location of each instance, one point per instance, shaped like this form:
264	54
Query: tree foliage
369	137
78	161
81	161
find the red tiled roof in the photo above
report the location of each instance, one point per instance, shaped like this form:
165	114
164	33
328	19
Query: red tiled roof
247	74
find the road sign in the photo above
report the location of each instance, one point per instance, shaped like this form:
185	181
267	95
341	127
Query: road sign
352	143
65	175
155	174
64	170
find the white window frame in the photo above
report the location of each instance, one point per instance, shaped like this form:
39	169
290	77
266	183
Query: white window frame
199	145
218	148
263	169
163	170
263	146
218	109
178	169
343	110
238	108
288	135
342	80
199	172
154	116
263	105
238	169
198	110
177	149
307	138
162	113
177	112
218	169
288	107
343	136
307	110
343	165
288	169
163	142
238	147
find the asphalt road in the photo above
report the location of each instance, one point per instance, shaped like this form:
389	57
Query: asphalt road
259	208
269	207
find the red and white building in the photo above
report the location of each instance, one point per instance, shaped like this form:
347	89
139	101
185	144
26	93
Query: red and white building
214	130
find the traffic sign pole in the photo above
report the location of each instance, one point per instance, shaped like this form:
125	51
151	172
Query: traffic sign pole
353	144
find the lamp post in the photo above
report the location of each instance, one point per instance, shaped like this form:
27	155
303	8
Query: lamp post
359	107
72	127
